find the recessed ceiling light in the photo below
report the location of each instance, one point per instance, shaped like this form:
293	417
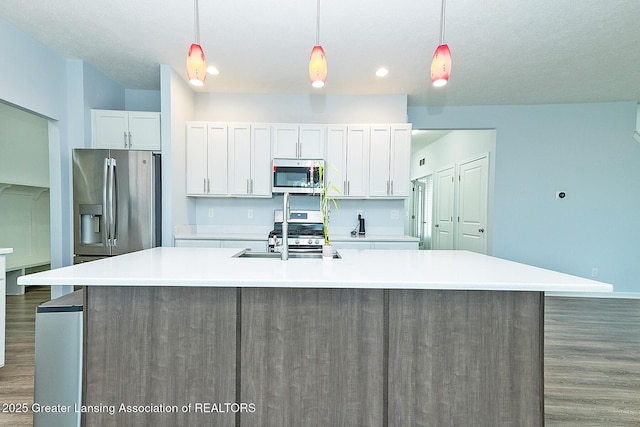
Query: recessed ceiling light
213	70
382	72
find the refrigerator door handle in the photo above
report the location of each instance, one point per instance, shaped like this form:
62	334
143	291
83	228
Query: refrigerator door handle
106	201
114	202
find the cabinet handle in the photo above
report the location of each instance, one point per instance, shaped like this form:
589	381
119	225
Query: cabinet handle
125	139
247	186
392	188
208	185
130	142
480	230
251	187
437	225
204	185
388	188
348	187
344	187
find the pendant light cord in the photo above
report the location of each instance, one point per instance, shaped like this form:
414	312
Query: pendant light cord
441	23
317	25
197	22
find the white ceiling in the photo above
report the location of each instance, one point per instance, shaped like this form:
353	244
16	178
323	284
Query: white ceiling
504	51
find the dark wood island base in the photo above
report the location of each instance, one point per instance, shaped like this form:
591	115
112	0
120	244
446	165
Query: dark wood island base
195	356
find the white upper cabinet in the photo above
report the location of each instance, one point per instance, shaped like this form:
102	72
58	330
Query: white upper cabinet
347	166
250	160
389	161
125	130
206	159
298	142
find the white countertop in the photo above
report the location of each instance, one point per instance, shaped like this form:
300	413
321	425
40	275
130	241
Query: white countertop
4	251
387	269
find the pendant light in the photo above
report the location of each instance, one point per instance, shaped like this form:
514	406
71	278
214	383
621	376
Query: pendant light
441	63
196	65
318	61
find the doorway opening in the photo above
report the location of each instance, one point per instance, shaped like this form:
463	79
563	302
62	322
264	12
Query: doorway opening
422	210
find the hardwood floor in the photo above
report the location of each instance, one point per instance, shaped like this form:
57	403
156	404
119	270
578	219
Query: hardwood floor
16	377
592	360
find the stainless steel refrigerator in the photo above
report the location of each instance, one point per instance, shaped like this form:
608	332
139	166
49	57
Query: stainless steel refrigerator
116	202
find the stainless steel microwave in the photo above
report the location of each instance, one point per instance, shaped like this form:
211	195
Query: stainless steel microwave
297	176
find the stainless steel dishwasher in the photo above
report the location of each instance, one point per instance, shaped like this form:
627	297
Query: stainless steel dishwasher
58	362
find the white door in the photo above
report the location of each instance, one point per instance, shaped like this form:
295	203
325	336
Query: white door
443	209
472	205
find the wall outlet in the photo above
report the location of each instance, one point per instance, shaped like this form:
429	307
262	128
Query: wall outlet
210	212
395	214
250	213
594	272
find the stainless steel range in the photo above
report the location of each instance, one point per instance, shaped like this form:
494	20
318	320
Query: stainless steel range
305	232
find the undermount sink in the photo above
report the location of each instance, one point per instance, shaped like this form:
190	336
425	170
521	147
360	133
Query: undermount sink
276	255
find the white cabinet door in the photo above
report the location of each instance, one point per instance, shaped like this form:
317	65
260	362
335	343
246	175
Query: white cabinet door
125	130
335	165
198	243
400	159
347	164
261	160
250	160
206	159
298	142
380	158
144	130
357	161
197	166
312	142
239	159
217	159
110	129
285	141
389	161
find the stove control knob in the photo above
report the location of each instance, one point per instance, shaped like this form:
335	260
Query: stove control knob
297	241
310	241
317	241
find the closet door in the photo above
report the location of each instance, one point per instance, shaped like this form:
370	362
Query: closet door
472	205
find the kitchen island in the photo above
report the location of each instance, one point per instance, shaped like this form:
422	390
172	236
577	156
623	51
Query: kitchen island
193	336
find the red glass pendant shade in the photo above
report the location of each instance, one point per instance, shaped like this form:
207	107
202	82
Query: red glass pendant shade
196	65
318	67
441	66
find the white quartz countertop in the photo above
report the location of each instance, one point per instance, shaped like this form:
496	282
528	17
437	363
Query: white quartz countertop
387	269
4	251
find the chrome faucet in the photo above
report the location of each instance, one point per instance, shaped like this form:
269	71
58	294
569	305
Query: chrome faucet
286	213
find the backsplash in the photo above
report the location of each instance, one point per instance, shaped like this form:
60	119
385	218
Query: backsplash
240	215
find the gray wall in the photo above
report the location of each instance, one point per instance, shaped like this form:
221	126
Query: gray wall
586	150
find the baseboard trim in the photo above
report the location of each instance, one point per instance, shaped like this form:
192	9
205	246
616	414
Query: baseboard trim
620	295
